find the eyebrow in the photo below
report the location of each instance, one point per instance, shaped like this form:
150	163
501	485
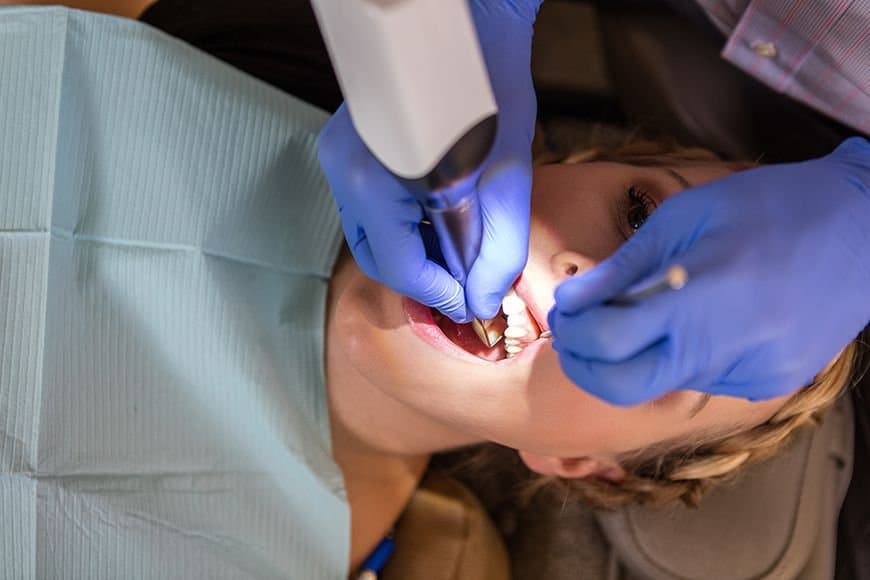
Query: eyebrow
678	177
699	405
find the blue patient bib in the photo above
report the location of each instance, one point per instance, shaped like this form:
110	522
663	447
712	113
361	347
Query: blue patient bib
166	240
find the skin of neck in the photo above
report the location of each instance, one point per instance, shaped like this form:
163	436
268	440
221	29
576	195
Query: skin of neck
381	445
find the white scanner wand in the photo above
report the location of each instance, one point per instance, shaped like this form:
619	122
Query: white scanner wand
418	92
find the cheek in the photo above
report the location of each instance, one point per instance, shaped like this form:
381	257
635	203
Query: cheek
369	336
563	420
356	343
567	421
362	331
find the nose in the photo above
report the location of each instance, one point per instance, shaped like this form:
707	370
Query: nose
567	263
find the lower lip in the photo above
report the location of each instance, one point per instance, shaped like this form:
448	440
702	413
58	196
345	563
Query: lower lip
423	324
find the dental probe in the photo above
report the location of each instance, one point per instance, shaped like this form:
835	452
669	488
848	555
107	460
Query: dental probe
674	278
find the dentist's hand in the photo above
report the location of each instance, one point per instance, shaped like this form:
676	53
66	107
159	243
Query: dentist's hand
779	274
380	217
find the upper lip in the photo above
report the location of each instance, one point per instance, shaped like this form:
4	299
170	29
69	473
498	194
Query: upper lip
522	290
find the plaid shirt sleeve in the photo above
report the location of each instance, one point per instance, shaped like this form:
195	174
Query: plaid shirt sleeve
815	51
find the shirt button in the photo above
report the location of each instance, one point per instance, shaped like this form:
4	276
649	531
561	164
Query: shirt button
764	49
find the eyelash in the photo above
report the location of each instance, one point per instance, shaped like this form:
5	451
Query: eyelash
637	199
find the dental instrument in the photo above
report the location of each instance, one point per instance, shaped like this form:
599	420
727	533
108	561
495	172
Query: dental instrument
418	92
674	278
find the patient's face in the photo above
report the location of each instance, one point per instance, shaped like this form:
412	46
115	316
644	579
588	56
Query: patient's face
580	215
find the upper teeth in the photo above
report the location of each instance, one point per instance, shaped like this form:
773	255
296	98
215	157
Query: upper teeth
513	304
520	329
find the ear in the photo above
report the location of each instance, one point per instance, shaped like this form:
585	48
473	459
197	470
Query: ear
574	467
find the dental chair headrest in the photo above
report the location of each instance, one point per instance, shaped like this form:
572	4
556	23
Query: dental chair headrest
777	520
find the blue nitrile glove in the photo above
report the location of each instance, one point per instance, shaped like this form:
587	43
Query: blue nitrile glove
380	216
779	277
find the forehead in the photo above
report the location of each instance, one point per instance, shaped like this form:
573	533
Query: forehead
578	206
560	180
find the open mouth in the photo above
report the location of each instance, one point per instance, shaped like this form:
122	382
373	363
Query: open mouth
464	336
514	323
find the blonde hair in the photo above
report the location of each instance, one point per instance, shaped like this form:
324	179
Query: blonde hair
666	472
671	470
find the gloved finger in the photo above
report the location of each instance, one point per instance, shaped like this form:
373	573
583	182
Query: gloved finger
403	266
364	256
753	378
504	187
632	262
856	149
359	182
362	253
612	333
390	249
507	42
505	206
337	139
644	377
758	390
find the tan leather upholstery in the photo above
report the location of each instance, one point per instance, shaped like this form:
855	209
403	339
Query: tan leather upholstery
776	521
445	534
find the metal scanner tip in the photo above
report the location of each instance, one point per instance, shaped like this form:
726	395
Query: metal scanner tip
490	332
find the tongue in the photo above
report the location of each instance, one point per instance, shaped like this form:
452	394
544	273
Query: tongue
463	335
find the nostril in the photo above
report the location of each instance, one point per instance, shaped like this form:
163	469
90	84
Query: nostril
568	263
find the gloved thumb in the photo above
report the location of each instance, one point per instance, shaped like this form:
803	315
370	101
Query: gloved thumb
504	249
853	146
609	278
